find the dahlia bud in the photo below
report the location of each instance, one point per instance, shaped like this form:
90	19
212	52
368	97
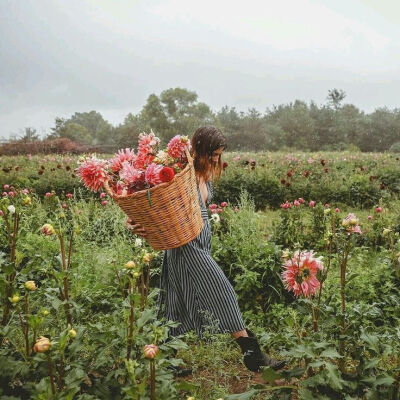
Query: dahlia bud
345	223
42	345
48	230
385	232
150	350
130	265
14	299
30	285
45	313
147	257
353	222
378	209
224	204
26	201
72	333
136	274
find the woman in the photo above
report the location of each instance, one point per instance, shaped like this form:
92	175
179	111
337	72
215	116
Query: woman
194	290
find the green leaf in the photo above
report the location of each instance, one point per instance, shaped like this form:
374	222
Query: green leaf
305	394
243	396
75	377
330	353
333	376
371	340
293	373
269	375
187	386
383	380
145	317
372	363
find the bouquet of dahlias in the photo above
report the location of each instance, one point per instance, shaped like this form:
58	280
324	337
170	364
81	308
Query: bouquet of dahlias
128	172
156	188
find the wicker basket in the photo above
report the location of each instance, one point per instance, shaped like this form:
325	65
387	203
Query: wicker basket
169	212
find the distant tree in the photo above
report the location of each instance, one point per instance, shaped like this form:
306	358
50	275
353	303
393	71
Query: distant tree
325	133
382	129
77	133
176	111
30	135
295	120
153	117
335	97
59	128
127	135
228	120
99	129
96	130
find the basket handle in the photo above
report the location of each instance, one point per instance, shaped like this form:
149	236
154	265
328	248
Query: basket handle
108	189
189	157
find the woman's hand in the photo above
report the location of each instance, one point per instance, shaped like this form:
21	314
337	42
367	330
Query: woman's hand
135	228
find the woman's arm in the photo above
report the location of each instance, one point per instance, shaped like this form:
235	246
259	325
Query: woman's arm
135	228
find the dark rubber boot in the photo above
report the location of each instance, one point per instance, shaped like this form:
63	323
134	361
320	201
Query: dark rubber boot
253	358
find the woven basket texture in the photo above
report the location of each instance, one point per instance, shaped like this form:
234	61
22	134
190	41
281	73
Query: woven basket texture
169	212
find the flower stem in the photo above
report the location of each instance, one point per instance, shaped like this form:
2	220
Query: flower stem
343	266
51	374
65	279
152	380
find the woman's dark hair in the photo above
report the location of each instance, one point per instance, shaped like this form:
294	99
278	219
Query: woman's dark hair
204	142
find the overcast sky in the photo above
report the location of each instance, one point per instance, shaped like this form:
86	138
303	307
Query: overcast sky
58	57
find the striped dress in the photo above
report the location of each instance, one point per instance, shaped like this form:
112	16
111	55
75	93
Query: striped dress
193	289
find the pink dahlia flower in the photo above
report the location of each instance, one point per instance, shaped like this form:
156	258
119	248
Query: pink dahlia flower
122	155
148	141
177	145
129	174
152	174
300	275
93	173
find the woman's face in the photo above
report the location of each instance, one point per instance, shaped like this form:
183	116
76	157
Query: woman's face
216	154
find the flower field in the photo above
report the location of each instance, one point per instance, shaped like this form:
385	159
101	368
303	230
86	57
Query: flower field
309	241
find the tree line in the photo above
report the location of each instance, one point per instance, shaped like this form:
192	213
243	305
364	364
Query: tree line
297	125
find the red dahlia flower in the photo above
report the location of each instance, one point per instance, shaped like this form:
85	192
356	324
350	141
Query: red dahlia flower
167	174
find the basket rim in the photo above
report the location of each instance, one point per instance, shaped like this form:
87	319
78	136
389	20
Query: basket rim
152	189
